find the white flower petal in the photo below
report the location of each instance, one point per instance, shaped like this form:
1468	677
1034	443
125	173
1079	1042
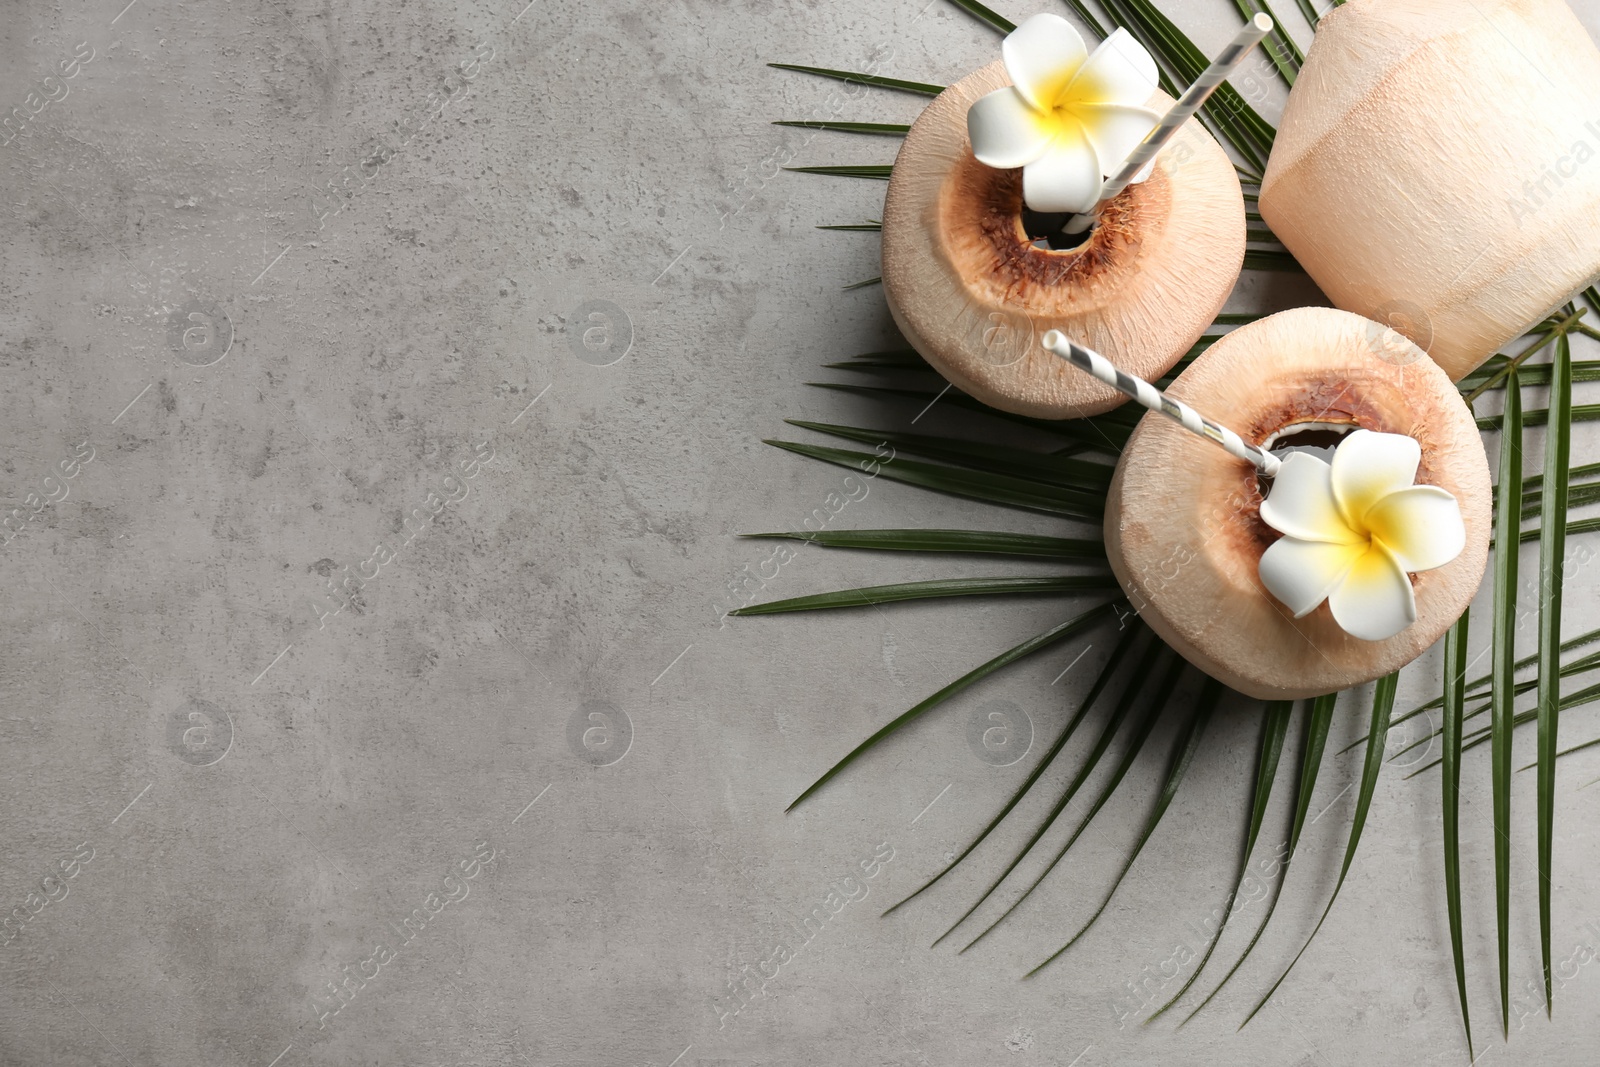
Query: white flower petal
1042	55
1066	178
1368	466
1120	71
1375	601
1420	525
1115	130
1301	503
1005	131
1303	573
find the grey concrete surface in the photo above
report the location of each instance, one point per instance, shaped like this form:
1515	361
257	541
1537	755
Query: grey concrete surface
281	288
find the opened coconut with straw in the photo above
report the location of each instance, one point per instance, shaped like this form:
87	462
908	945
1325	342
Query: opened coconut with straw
1342	526
1034	195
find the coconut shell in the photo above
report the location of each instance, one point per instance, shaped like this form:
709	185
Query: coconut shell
1183	528
1438	168
974	296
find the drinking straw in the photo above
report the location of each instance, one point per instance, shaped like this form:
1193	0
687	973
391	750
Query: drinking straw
1154	399
1182	111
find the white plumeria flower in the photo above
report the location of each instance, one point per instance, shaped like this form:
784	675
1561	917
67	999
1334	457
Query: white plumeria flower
1353	529
1068	119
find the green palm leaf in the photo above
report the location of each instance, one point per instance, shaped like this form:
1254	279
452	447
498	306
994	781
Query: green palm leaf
1002	459
1104	433
1552	550
1521	718
978	542
976	9
1249	134
1274	728
991	488
1100	683
922	88
1507	522
888	129
1258	259
1054	483
877	172
1482	682
1311	750
1377	730
1578	666
1455	669
1053	636
1141	734
1141	674
871	595
859	227
1182	757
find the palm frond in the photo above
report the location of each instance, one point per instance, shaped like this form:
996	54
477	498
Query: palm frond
1141	734
921	88
1141	674
956	481
1311	749
872	595
875	171
1053	636
1274	728
887	129
1001	459
1100	433
1114	661
983	14
1182	757
1377	730
1455	669
1552	550
1507	523
978	542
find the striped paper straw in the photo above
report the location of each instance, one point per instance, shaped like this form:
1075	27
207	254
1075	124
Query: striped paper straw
1181	112
1154	399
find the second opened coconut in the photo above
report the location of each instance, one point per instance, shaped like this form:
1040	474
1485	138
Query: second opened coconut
977	265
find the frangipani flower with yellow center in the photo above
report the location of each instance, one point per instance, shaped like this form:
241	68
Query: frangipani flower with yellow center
1069	118
1353	529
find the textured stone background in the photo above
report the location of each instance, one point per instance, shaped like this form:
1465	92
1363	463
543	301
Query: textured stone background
585	284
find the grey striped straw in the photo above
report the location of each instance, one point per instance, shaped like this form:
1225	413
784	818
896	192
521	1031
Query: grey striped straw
1154	399
1197	94
1180	112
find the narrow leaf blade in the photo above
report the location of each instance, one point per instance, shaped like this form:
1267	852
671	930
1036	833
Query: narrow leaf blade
1053	636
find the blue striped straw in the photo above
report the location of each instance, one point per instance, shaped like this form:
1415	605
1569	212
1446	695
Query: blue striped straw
1154	399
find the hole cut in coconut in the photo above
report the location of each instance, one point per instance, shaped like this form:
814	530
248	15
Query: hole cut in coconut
1311	437
1047	230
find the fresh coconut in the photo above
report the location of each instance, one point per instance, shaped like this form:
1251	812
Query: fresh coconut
1184	528
1435	168
973	292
